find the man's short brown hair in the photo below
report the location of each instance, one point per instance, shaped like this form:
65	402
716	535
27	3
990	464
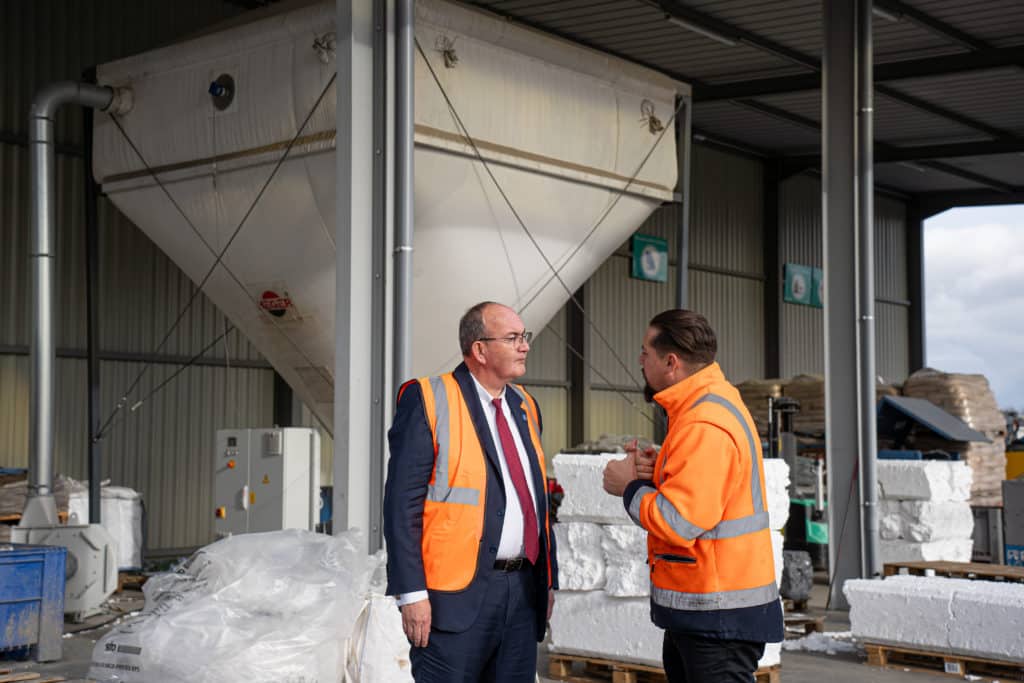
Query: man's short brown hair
686	334
471	327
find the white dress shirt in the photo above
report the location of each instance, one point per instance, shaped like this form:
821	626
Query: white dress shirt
511	545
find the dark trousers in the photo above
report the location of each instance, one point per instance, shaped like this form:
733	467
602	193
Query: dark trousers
500	646
691	658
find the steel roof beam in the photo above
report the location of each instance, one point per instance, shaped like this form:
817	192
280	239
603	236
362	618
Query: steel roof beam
896	153
926	21
912	68
883	148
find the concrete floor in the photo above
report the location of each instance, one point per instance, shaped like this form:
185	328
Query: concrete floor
797	667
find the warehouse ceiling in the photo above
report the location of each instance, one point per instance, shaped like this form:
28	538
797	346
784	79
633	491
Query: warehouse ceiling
949	81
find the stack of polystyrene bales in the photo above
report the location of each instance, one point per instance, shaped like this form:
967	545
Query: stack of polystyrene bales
923	511
603	606
979	618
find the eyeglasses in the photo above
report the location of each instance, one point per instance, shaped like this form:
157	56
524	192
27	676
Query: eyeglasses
512	339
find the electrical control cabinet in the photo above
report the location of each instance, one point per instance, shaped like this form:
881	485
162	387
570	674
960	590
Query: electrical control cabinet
266	480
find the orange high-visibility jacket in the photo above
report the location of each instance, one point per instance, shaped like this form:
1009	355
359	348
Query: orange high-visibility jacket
453	513
709	545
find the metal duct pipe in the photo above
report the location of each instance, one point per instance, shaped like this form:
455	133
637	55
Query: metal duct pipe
404	131
866	293
40	508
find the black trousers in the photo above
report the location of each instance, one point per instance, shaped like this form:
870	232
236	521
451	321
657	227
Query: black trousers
691	658
500	646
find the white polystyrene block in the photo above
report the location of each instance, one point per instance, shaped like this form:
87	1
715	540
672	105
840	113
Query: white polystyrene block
889	526
625	556
988	620
901	609
922	521
598	625
933	480
585	499
948	550
772	655
980	618
776	475
581	565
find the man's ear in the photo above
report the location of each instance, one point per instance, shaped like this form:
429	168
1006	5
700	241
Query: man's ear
478	352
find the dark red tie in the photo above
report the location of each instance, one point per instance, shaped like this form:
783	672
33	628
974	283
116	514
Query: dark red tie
515	470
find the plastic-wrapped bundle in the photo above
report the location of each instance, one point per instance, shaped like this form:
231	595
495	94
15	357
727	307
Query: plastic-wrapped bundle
797	575
250	608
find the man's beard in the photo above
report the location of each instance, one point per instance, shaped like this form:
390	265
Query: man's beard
649	393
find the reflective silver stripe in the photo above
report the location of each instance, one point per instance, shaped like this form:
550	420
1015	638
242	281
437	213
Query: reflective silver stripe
679	524
755	474
449	494
731	528
634	503
529	413
440	491
748	597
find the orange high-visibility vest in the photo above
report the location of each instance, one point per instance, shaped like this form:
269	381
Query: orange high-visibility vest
453	513
707	549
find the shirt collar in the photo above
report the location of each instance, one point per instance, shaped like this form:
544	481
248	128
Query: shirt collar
485	396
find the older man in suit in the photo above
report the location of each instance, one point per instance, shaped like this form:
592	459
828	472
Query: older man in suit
471	554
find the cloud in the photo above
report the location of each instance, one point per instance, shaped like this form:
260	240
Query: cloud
974	297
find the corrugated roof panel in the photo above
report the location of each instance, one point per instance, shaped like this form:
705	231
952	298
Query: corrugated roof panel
1008	168
1000	22
995	97
754	128
912	177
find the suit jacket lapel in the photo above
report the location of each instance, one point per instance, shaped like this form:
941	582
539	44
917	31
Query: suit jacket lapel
476	411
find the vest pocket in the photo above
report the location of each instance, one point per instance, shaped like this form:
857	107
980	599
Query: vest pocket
677	559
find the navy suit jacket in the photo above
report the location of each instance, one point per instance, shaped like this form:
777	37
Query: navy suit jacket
409	472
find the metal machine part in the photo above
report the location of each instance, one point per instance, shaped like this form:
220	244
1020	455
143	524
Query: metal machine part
91	569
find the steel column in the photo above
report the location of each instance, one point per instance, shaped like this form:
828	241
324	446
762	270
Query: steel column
772	270
354	383
684	154
839	199
92	258
915	277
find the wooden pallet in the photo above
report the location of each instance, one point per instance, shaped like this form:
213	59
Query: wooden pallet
16	517
959	666
794	606
590	669
958	570
10	676
130	581
799	625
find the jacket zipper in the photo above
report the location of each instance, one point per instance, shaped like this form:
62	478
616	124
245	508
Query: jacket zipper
681	559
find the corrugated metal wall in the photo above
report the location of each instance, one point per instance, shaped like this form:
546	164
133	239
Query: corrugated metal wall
726	283
163	447
547	380
800	241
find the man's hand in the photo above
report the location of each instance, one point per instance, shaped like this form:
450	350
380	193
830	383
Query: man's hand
551	602
643	460
618	474
416	622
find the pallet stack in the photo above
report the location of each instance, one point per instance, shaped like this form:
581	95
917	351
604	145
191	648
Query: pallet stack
923	510
956	625
602	610
970	398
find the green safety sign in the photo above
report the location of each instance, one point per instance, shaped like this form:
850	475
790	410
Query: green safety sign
650	258
799	280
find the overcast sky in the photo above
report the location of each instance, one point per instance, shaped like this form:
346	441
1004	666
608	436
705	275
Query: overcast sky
974	296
